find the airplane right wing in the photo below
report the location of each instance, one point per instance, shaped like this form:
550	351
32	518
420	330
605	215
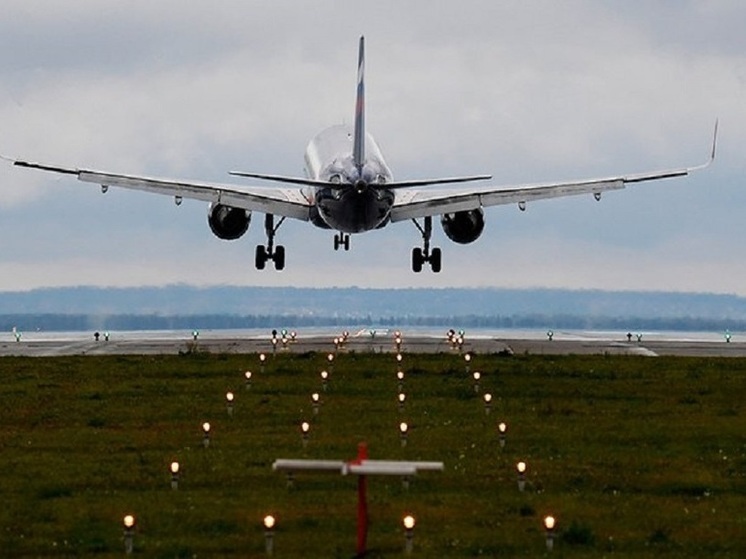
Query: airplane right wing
418	203
285	202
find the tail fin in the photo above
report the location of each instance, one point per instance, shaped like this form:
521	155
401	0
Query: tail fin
358	149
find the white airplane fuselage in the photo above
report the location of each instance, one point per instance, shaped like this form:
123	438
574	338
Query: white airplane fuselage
349	205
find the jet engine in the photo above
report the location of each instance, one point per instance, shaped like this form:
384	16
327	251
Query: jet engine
463	227
228	223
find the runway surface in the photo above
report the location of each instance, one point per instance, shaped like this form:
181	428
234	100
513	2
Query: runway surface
516	342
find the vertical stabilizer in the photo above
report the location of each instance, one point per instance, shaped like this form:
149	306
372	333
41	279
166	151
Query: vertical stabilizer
358	149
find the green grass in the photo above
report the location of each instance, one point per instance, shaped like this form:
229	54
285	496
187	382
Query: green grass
636	457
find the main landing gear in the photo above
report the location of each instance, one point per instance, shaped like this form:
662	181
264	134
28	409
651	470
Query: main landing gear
270	252
424	254
341	240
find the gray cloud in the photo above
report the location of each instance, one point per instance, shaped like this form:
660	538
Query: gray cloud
527	91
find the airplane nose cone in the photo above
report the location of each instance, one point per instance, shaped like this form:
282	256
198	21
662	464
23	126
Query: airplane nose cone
361	186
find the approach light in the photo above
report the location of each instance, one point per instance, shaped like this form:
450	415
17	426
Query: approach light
487	402
269	534
403	429
521	468
549	524
400	375
315	402
409	523
402	399
399	357
262	358
305	428
174	475
247	376
330	358
229	397
206	437
129	534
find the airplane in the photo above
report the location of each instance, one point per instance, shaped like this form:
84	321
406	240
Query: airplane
349	188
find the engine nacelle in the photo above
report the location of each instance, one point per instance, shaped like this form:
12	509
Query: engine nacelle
463	227
228	223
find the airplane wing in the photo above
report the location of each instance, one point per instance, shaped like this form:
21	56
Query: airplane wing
413	203
285	202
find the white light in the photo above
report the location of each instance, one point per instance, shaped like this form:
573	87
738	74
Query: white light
477	375
549	522
467	357
521	467
403	427
409	522
174	468
324	375
247	374
315	397
398	357
305	427
206	427
262	357
330	357
487	398
269	522
129	521
402	397
229	396
502	428
400	375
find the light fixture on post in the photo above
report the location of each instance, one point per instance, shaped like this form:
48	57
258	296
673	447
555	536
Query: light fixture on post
502	430
205	434
269	533
247	377
477	376
549	524
174	475
487	403
521	469
129	534
409	523
229	402
403	430
315	402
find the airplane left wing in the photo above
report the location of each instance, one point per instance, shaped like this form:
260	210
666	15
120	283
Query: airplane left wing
284	202
413	204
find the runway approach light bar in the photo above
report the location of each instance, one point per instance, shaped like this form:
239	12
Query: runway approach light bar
362	467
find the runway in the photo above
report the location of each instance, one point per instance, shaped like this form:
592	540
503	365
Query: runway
507	342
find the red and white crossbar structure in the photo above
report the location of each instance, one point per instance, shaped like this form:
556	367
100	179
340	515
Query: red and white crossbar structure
361	467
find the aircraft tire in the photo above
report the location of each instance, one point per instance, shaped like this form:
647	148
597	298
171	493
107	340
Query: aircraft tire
279	258
417	260
260	258
436	259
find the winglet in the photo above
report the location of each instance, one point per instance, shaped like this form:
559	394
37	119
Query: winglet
358	149
712	153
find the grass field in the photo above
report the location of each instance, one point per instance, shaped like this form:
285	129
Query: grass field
636	457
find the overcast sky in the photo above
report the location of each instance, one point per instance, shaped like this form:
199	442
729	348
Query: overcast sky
526	91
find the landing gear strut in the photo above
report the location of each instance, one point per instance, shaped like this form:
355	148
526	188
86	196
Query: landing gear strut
424	254
270	252
341	240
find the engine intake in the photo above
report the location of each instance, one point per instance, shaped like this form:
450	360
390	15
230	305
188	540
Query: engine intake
463	227
228	223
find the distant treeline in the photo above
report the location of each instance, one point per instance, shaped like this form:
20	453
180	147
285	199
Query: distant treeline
84	322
